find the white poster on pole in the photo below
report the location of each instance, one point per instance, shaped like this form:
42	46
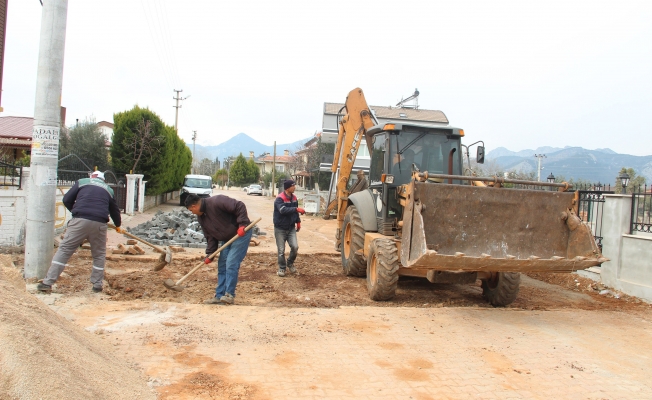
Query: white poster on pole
45	141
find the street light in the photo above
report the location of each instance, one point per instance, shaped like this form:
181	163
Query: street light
624	180
551	178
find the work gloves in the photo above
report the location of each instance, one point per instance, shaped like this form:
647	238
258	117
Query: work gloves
301	210
241	231
119	230
298	226
207	260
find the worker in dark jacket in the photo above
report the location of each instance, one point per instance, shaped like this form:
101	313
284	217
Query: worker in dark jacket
90	200
286	225
221	218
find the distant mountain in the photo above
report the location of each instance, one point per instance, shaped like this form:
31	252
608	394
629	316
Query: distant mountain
600	165
243	143
501	152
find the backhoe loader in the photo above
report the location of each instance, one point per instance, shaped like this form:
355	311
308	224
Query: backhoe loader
422	216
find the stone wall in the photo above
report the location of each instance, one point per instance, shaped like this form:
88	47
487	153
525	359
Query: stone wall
153	201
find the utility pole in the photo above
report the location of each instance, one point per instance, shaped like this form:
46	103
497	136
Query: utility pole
39	228
228	172
274	171
194	137
539	156
176	117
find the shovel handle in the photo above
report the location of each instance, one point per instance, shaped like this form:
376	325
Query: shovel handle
155	247
233	239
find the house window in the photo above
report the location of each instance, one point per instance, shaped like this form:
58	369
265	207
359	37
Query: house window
363	151
280	168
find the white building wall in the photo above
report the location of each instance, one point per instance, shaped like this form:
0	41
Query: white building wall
629	268
13	212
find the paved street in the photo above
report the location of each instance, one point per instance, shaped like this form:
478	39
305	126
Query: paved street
374	353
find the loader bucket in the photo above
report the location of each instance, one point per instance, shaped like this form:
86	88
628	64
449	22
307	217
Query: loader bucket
471	228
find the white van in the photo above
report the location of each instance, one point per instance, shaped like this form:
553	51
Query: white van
201	185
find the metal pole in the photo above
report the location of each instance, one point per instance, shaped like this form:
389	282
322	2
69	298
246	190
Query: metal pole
228	173
194	136
539	156
274	172
176	116
39	228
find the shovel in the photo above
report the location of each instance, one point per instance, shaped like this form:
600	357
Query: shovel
166	256
170	284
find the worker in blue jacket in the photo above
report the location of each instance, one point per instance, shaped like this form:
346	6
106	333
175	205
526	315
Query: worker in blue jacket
286	225
90	200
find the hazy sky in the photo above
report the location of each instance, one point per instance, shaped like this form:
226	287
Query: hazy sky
518	74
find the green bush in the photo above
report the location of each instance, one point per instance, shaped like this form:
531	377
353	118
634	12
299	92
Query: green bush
143	144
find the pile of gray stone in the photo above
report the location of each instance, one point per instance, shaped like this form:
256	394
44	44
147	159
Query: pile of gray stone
176	228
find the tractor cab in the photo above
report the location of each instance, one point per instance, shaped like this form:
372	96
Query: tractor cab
397	151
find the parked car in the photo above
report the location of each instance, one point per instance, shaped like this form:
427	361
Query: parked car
254	189
195	184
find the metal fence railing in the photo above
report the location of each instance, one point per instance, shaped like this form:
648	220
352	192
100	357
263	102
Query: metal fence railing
641	209
11	175
117	182
590	211
70	169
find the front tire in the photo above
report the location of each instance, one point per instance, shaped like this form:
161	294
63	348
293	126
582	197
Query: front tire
382	270
501	289
352	241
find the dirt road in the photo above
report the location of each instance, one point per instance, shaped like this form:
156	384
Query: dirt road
318	335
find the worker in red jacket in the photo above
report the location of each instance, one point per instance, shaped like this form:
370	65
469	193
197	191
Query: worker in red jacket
287	223
221	218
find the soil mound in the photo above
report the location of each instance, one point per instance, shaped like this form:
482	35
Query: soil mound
44	356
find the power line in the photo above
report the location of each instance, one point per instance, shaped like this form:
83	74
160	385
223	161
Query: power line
167	33
168	50
158	55
161	39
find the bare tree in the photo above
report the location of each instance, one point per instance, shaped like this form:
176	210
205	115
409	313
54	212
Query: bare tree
206	167
144	142
297	161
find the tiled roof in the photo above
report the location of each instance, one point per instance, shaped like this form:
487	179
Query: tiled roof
279	159
16	127
409	114
27	143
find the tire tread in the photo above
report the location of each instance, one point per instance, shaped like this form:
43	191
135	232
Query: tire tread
387	266
505	291
354	265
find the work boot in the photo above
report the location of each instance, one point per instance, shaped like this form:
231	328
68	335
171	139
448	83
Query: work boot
293	269
97	289
214	300
42	287
226	299
281	272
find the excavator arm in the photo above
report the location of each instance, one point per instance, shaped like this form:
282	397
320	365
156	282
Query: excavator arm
352	129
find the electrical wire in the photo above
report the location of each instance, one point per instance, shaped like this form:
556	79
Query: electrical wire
163	69
163	46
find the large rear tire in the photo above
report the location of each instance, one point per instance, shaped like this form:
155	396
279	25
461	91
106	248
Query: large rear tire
353	240
501	289
382	270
